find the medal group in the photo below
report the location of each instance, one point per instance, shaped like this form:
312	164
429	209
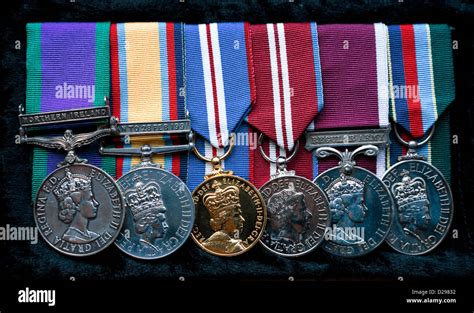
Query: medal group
282	130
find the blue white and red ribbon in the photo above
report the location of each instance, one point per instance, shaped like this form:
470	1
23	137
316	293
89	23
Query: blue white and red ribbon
219	83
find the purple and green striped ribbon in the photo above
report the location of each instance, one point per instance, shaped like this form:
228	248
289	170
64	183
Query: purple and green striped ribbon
422	53
67	68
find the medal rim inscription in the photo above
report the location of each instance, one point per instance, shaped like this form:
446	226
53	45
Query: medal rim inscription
326	201
257	192
127	212
323	244
451	209
120	196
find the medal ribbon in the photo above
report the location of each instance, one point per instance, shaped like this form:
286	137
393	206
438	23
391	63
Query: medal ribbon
287	78
219	78
67	68
355	70
421	88
219	92
422	75
355	75
147	76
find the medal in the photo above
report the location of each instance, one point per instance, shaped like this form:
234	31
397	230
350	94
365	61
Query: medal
422	61
361	205
69	202
78	206
231	213
423	201
160	209
298	211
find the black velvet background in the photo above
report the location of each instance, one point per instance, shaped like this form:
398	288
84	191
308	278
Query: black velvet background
20	261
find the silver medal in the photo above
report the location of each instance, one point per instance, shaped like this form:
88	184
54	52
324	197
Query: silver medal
160	208
78	208
423	201
361	205
297	211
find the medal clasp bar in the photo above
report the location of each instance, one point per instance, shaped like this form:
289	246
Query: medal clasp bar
145	152
155	128
57	118
175	127
64	116
348	138
69	141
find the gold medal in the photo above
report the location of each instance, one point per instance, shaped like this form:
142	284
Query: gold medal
230	212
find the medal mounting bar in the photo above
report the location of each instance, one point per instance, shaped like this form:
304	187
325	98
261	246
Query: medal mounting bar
145	152
348	138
